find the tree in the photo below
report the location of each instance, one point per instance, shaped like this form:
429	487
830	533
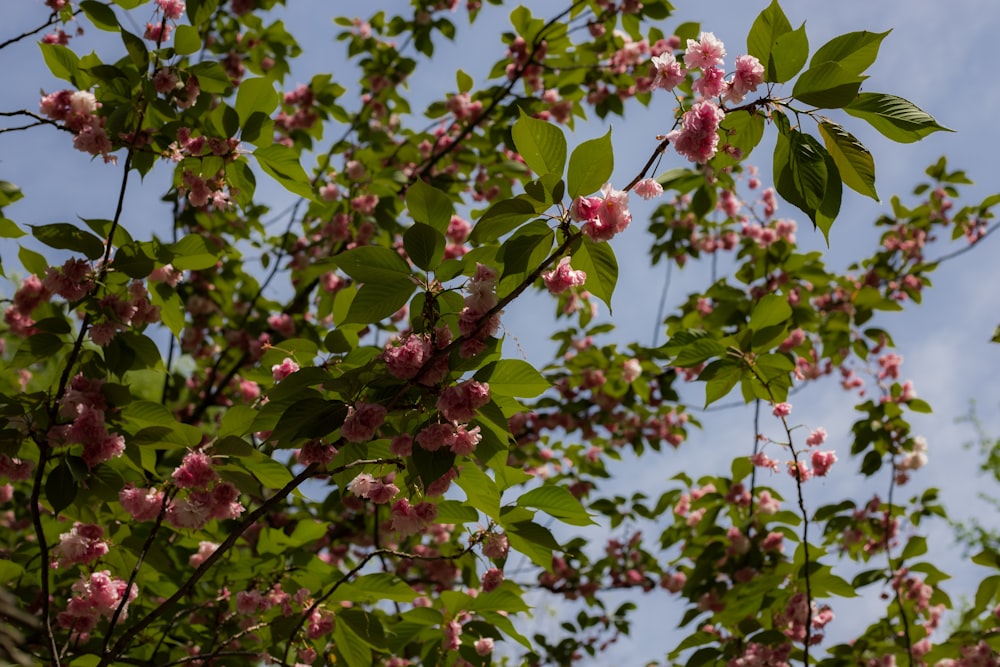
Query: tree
226	441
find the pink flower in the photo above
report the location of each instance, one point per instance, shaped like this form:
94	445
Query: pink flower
380	493
496	546
707	52
361	484
142	504
816	438
631	370
465	440
459	402
667	72
492	579
711	82
821	462
205	549
612	215
749	75
773	542
698	138
404	361
172	9
483	646
401	445
280	371
435	436
648	188
195	471
584	208
82	544
782	409
561	278
362	421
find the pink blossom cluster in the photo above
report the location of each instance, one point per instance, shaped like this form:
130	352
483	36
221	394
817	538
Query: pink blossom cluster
184	93
407	519
475	323
459	402
83	544
121	314
563	277
304	115
172	9
15	469
316	451
525	63
602	217
84	404
207	498
31	293
767	235
97	595
406	356
761	655
77	110
460	439
698	137
496	546
201	191
281	371
378	491
363	420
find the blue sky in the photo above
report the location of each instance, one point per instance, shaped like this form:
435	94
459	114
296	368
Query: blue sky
940	55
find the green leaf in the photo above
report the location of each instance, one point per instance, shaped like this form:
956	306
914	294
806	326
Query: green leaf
513	377
424	245
431	466
429	206
186	40
212	77
788	55
32	261
101	15
720	376
377	301
770	310
255	95
60	487
381	586
369	264
282	164
541	144
781	50
366	626
137	51
827	86
306	419
481	491
131	260
354	651
62	62
532	540
193	252
854	51
801	171
829	207
464	81
896	118
598	261
557	502
65	236
9	193
502	217
915	546
854	162
590	166
36	347
267	471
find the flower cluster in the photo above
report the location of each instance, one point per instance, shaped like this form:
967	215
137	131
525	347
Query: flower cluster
77	110
602	217
98	595
474	323
84	403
